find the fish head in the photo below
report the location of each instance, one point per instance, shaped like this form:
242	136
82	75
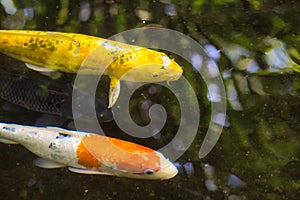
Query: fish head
136	161
124	159
149	166
145	65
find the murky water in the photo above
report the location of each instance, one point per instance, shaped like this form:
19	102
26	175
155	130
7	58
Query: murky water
256	48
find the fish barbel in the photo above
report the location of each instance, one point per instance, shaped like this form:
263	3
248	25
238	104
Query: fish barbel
88	153
68	52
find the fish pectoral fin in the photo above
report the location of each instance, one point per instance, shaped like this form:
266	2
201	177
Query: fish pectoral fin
87	171
48	164
114	91
6	141
39	68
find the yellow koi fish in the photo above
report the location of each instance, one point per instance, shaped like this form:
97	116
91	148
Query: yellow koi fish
88	153
68	52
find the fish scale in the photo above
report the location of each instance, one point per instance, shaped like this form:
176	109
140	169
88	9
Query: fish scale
45	96
26	93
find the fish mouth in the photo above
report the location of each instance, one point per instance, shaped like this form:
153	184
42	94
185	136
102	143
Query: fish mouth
169	172
168	169
174	77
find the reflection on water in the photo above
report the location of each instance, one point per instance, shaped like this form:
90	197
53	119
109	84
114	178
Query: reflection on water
256	48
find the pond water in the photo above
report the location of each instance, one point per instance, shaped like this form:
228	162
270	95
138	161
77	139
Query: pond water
252	49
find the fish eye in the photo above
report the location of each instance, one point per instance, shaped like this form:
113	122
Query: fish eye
148	171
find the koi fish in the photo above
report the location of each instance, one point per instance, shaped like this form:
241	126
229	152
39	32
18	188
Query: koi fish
88	153
46	96
68	52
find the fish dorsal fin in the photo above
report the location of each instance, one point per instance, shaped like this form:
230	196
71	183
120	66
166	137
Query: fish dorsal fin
87	171
39	68
48	164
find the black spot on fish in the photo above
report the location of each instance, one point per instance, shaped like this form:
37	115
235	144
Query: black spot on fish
70	46
33	132
9	129
5	128
32	46
52	48
4	41
62	135
50	145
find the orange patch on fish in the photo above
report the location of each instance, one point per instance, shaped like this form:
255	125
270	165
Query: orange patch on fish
129	146
85	158
123	155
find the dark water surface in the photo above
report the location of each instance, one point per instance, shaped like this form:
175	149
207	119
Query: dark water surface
257	49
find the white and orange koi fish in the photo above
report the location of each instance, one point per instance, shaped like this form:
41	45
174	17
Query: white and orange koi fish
88	153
